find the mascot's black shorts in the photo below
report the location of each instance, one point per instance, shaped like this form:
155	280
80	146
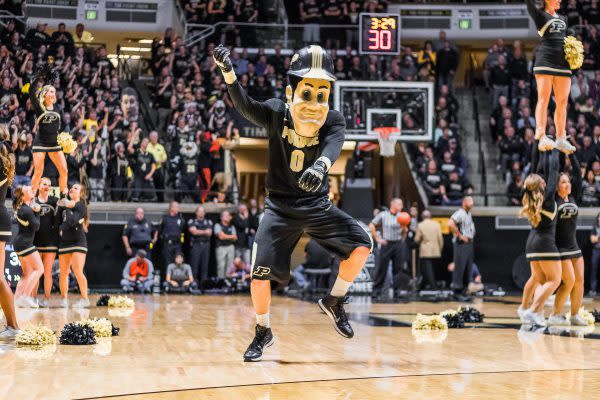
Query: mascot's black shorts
283	223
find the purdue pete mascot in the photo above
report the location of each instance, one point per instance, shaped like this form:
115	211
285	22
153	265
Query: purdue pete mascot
305	139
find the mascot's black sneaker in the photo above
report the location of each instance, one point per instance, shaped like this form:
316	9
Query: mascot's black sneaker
262	339
334	308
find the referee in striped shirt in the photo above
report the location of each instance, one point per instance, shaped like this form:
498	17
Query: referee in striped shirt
392	241
463	230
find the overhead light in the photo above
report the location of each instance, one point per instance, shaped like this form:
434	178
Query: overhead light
138	49
145	41
122	56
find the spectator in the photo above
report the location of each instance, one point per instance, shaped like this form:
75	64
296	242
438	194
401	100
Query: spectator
426	60
242	224
138	273
95	171
23	163
171	231
446	65
226	237
239	269
200	230
392	242
139	234
499	80
431	242
433	183
511	148
515	191
144	166
463	232
591	191
456	188
595	263
118	173
316	257
310	16
160	158
179	277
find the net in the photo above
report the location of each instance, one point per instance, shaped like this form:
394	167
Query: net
387	137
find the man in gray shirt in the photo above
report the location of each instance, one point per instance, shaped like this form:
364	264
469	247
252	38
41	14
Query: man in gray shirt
179	277
463	230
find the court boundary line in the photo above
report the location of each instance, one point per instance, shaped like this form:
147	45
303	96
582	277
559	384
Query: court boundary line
334	380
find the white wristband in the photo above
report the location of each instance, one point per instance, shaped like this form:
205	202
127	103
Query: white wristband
230	77
326	161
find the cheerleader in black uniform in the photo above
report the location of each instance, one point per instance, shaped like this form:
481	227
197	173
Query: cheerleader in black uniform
72	248
552	71
49	120
46	238
539	206
26	214
567	198
7	173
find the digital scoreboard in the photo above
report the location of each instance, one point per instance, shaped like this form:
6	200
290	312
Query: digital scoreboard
379	33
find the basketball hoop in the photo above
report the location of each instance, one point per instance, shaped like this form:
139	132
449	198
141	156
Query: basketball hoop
387	138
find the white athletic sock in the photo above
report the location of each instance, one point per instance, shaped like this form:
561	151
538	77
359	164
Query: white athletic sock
263	320
340	287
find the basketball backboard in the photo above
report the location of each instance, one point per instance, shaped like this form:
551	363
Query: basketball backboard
367	105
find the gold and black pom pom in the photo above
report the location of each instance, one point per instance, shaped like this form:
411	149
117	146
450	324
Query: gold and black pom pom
103	301
470	315
65	140
454	319
77	334
46	74
573	52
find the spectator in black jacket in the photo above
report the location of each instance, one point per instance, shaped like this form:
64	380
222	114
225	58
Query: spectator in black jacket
243	224
499	81
511	148
37	37
143	168
118	170
515	191
433	182
447	62
455	189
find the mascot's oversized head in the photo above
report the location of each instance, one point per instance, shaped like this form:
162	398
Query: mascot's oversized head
311	77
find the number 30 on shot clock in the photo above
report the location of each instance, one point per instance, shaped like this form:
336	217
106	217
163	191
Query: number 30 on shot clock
379	33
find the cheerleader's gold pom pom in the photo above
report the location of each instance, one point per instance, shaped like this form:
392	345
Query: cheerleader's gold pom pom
573	52
121	302
587	316
422	336
430	323
67	143
25	88
36	335
101	326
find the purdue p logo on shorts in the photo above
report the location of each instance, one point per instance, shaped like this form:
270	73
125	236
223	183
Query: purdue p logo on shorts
261	271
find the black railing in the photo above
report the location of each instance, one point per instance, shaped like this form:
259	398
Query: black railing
481	167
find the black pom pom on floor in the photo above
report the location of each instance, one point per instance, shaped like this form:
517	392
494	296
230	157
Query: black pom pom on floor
75	334
455	321
596	315
103	301
470	315
115	330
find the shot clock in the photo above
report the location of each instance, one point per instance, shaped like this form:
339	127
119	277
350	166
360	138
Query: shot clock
379	33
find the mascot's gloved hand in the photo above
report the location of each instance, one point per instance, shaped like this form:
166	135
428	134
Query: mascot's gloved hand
312	178
221	57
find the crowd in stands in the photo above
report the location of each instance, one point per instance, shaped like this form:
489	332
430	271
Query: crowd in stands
184	248
508	76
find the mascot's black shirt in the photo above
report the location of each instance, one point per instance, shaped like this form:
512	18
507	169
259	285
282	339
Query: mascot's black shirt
289	153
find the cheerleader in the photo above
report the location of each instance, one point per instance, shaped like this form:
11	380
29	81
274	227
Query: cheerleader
26	213
567	198
552	72
48	120
540	208
72	248
7	173
46	238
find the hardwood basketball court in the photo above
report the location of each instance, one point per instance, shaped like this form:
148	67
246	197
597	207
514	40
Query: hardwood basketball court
190	347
